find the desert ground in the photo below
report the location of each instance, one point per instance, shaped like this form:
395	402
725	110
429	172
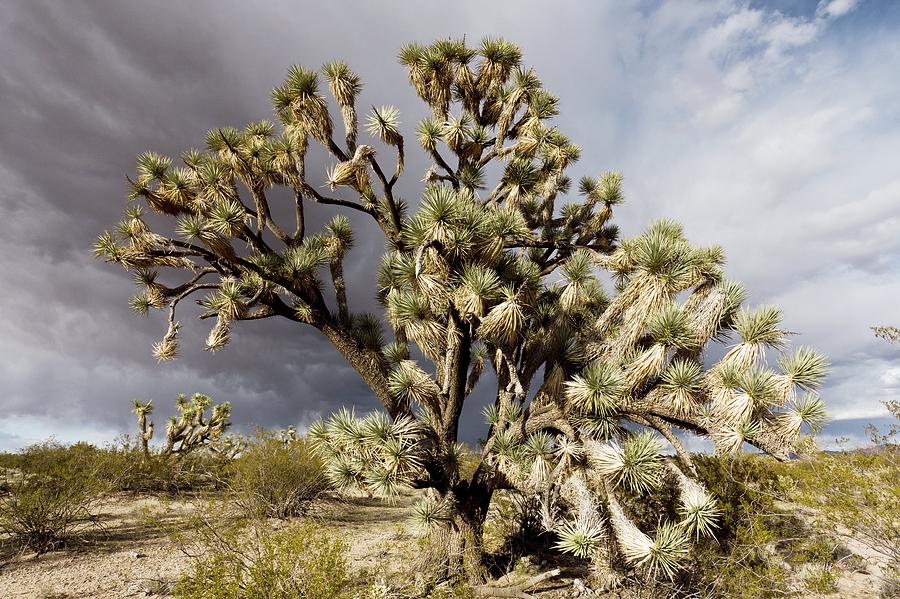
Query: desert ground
133	554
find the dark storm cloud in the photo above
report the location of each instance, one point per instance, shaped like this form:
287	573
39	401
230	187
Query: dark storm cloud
696	100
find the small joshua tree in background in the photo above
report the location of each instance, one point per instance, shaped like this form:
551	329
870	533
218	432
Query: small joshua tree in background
190	429
891	334
496	272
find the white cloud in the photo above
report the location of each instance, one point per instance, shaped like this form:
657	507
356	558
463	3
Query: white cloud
835	8
891	377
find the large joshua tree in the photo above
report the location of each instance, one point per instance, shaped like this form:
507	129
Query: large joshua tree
494	269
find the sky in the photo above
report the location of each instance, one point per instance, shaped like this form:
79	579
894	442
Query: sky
772	128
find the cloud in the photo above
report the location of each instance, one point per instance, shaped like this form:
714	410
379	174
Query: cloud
835	8
891	378
770	132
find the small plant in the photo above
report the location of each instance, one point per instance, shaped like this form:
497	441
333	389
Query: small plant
50	499
251	562
277	476
820	579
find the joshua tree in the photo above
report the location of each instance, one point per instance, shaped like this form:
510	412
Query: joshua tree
494	269
190	429
891	334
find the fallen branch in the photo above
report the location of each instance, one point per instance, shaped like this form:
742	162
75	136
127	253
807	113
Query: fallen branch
504	587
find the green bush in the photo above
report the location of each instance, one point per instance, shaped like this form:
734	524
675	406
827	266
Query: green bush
129	469
251	562
820	579
49	497
277	477
743	560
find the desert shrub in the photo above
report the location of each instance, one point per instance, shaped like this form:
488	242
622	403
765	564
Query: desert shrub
856	493
250	561
742	560
49	498
129	469
820	579
514	529
277	476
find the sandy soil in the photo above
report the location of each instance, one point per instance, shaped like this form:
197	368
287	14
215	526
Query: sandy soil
131	557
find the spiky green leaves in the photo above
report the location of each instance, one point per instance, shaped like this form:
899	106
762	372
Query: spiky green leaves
580	537
505	322
151	165
457	131
607	190
805	368
681	384
761	326
667	554
167	349
227	301
597	390
699	511
228	217
340	237
634	465
302	263
395	353
412	311
384	123
345	84
371	453
299	106
430	513
671	326
409	383
301	84
500	58
479	287
579	279
662	556
429	133
539	448
808	409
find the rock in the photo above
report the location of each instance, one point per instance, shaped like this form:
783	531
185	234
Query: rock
581	589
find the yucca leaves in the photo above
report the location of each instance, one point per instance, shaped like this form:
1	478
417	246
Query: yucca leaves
227	217
505	322
430	513
664	555
429	133
167	348
699	511
760	327
805	368
671	326
634	464
384	123
410	383
151	165
371	453
681	384
345	84
479	287
580	538
808	409
597	390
